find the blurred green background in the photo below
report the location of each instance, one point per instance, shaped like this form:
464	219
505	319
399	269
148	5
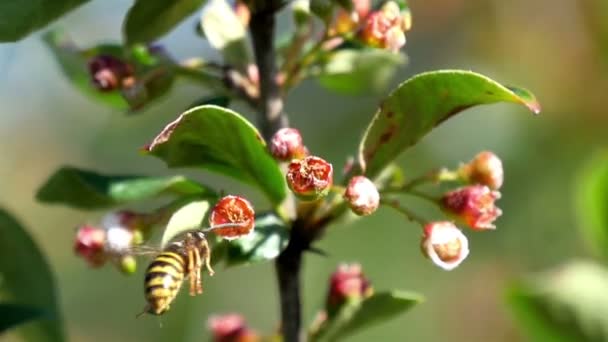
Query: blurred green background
557	49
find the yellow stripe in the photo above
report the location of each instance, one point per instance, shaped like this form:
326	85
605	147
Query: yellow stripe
166	270
171	258
162	293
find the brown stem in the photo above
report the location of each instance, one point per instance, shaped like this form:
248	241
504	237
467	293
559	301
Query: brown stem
272	118
270	106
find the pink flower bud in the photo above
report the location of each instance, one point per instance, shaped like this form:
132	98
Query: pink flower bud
231	328
310	178
347	283
242	12
362	7
473	205
444	244
89	245
485	168
395	39
286	144
232	209
107	72
362	196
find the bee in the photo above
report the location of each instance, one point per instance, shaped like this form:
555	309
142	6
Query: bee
179	260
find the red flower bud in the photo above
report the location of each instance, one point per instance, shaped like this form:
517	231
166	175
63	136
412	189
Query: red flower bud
231	328
347	283
232	217
310	178
89	245
362	196
485	168
107	72
444	244
286	144
473	205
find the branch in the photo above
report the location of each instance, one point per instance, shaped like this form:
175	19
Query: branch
270	106
272	118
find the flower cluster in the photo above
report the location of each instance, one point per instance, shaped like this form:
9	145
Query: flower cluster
472	205
383	28
112	240
109	73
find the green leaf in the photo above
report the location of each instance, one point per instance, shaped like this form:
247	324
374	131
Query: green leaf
12	315
356	72
225	32
26	279
149	20
266	242
85	189
423	102
592	203
20	18
357	315
74	64
188	217
223	141
566	304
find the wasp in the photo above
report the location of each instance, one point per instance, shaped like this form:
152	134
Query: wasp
179	260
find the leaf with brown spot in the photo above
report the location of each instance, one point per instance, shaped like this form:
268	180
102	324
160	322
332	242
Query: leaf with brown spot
220	140
423	102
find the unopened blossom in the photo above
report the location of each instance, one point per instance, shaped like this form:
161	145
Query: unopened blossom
231	328
362	196
485	169
444	244
287	144
473	205
347	283
90	245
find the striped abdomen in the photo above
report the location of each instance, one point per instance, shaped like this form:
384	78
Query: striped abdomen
164	278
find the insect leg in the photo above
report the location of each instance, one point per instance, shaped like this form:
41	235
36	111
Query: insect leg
192	271
197	273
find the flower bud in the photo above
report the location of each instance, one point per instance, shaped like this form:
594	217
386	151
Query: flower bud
120	229
232	210
473	205
444	244
346	284
242	12
286	144
362	8
231	328
362	196
395	39
89	245
485	168
107	72
127	264
310	178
